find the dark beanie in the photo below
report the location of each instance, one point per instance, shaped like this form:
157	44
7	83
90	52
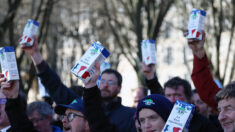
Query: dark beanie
158	103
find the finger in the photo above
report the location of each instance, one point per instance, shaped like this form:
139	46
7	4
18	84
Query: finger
35	43
20	38
185	32
23	46
152	66
203	35
3	80
5	85
97	65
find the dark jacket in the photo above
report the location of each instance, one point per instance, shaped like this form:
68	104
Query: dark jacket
17	117
54	86
98	121
118	114
198	123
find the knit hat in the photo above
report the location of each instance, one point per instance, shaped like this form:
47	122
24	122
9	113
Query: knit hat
77	104
158	103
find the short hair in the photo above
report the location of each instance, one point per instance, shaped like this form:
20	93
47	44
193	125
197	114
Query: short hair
43	108
227	92
177	81
116	73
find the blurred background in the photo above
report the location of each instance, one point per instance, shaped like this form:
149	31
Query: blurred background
68	27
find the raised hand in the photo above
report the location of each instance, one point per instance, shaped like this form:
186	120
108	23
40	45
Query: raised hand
33	51
148	70
92	82
197	46
9	89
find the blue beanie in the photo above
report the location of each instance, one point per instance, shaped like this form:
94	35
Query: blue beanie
158	103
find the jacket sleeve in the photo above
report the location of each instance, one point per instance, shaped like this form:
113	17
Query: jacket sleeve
154	86
200	123
51	81
17	116
203	81
95	115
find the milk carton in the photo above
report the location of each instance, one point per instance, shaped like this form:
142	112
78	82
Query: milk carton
148	51
8	63
30	30
179	118
196	24
85	67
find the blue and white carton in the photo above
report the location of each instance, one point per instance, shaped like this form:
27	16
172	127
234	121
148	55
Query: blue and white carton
148	50
30	30
196	24
8	63
85	67
180	117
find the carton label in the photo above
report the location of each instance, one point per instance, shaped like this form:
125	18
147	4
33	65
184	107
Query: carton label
148	51
85	67
179	118
8	63
30	30
196	24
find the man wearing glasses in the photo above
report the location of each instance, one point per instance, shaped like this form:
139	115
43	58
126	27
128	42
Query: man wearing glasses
73	116
110	86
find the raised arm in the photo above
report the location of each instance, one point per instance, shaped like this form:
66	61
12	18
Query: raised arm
201	75
151	79
51	81
96	117
14	107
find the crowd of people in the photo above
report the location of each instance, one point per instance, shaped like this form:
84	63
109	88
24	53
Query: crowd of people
99	109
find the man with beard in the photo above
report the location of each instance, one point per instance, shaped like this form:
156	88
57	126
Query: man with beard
110	86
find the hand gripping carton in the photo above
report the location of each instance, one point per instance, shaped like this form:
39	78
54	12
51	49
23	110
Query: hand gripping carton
30	30
196	24
8	63
179	118
148	51
85	67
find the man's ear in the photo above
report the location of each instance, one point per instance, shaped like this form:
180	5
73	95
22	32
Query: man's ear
119	89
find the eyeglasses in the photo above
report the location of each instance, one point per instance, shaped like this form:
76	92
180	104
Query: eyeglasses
70	116
110	82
